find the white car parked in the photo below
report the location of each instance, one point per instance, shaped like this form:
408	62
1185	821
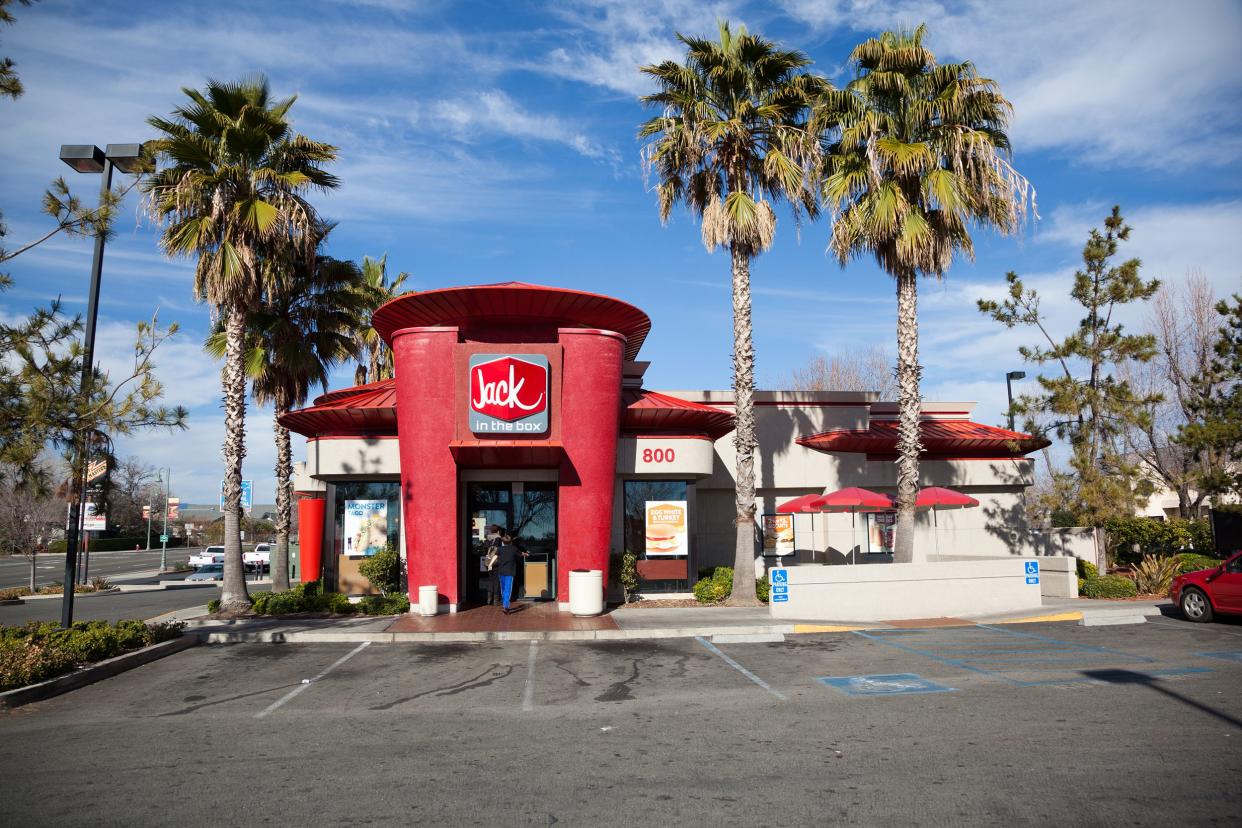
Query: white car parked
210	555
260	557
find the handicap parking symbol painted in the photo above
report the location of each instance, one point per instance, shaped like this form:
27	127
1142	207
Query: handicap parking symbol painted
883	685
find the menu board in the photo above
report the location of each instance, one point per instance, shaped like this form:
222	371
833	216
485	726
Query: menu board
778	535
880	527
666	528
366	526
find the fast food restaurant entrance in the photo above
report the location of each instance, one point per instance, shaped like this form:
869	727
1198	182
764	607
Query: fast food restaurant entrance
527	511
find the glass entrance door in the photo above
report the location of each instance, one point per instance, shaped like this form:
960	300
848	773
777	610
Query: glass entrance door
527	511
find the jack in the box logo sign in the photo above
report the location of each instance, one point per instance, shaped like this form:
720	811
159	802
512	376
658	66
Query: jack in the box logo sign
509	393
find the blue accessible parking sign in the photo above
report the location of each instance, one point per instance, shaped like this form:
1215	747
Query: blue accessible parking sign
1032	572
780	586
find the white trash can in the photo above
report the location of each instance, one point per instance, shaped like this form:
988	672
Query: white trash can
586	591
428	600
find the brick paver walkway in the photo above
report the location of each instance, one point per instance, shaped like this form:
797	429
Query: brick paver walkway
541	617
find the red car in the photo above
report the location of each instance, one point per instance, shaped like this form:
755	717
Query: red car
1204	593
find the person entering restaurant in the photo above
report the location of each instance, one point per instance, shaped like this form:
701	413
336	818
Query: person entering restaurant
494	533
506	567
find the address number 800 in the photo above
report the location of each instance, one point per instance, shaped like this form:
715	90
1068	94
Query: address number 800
659	455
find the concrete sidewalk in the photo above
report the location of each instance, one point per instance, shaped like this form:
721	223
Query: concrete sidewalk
632	623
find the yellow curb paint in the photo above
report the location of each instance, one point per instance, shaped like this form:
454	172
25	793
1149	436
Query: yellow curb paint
1064	616
821	628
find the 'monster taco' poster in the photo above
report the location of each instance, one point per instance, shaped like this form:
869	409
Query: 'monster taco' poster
666	528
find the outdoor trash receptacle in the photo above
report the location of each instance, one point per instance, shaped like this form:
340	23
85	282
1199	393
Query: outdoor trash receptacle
586	591
428	600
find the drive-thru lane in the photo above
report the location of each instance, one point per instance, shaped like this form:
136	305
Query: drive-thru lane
641	732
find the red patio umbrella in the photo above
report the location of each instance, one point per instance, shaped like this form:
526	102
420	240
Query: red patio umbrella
937	498
801	505
853	500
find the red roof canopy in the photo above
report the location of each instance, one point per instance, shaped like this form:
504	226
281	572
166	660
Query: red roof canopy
651	411
362	411
940	438
514	302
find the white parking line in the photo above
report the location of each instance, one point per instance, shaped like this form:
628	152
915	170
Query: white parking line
308	682
528	693
709	645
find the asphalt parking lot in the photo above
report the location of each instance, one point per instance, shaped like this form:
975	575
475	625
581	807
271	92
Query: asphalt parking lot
1022	725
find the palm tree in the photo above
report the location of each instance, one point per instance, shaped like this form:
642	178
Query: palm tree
731	139
378	365
231	192
304	326
915	154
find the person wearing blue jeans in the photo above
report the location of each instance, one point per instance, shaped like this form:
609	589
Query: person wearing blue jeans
506	568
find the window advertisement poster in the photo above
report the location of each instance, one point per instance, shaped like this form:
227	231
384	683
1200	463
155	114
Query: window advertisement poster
880	529
366	526
778	535
666	528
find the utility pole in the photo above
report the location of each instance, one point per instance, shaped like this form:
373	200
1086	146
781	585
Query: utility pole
164	535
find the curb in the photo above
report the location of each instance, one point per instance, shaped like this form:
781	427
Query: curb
56	596
94	672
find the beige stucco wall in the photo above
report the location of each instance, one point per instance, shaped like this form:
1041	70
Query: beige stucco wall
352	458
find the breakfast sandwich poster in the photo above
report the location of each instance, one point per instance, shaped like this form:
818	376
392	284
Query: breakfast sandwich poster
778	535
666	528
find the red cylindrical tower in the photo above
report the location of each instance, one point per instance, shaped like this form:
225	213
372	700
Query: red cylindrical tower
591	408
426	411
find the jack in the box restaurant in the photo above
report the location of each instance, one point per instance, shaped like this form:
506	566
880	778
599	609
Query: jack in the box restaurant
523	406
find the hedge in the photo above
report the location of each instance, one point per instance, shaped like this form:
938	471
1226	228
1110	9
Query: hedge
121	544
715	585
37	652
1190	562
1109	586
1130	538
310	598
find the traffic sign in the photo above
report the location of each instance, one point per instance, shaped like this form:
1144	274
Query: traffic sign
780	599
1032	572
247	495
780	589
779	576
163	538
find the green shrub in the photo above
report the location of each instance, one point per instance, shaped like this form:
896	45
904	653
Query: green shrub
716	584
213	606
629	575
1109	586
13	592
715	587
383	570
340	604
37	652
1192	562
1086	569
1130	538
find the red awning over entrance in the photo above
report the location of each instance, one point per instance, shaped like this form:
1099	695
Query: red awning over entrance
946	439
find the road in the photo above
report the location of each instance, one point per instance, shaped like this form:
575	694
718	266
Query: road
1030	725
113	606
15	570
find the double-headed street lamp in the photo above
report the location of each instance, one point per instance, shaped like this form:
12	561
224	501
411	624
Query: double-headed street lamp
1009	378
88	158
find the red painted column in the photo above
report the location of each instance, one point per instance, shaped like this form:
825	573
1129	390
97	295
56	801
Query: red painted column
591	408
426	412
310	538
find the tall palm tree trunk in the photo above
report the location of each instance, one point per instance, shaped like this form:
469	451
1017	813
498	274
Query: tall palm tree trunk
744	431
284	503
909	408
234	597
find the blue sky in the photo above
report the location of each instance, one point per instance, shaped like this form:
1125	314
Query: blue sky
485	142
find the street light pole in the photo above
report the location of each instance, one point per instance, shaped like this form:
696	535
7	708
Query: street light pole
164	535
1009	378
88	158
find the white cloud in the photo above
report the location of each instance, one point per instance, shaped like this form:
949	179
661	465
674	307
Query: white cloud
1140	82
613	38
492	112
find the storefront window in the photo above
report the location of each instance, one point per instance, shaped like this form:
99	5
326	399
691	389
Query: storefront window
657	530
367	518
